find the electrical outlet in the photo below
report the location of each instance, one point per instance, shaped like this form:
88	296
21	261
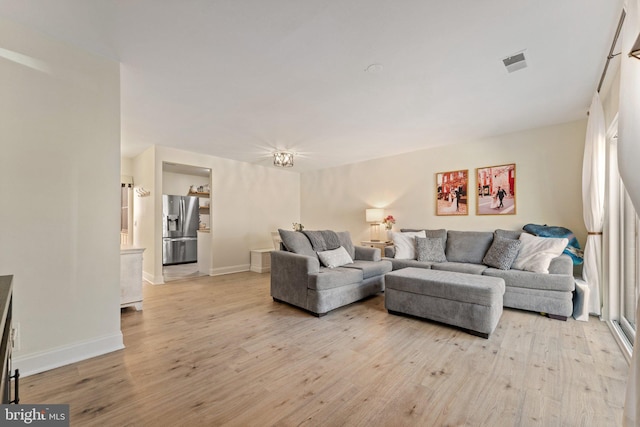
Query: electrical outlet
15	336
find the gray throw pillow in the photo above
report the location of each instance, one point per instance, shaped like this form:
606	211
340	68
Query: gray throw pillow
430	249
345	242
297	242
509	234
502	253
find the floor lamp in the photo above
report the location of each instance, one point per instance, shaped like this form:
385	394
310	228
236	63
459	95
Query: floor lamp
375	217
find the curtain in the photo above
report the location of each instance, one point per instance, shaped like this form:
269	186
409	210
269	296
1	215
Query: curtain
593	179
628	159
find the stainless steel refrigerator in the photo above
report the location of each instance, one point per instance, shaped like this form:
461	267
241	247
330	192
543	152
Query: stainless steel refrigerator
180	220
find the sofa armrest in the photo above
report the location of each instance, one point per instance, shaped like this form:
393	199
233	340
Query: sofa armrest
561	265
364	253
290	276
390	251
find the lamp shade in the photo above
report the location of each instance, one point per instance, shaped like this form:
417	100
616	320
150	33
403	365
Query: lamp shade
374	215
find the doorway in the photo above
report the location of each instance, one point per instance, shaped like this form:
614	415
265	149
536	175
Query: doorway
186	221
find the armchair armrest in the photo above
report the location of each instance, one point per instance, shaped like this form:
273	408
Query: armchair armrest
364	253
290	276
390	251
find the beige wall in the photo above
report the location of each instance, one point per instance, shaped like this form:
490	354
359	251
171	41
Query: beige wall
60	192
247	202
548	184
126	166
144	208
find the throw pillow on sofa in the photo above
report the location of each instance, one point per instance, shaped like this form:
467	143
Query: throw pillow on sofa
536	253
405	243
430	249
502	253
440	233
345	242
573	247
335	257
296	242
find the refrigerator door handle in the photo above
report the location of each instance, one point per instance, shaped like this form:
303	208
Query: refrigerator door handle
182	215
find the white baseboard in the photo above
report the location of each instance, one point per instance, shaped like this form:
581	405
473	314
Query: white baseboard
228	270
261	269
153	279
35	363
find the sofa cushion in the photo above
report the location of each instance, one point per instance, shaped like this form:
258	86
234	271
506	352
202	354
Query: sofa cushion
322	240
329	278
430	249
296	242
345	242
536	253
529	280
399	264
502	253
371	268
508	234
405	243
459	267
335	257
468	246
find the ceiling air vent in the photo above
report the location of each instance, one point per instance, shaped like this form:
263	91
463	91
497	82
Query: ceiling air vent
515	62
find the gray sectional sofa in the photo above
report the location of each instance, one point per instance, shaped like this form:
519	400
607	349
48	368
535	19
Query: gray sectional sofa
299	278
550	293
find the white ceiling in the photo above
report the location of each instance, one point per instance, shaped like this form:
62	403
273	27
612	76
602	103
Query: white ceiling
241	78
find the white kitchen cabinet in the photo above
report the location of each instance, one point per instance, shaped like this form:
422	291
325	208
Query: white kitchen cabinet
131	277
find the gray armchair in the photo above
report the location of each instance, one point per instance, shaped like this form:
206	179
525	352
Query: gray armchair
298	277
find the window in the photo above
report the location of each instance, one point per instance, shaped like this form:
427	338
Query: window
622	284
628	266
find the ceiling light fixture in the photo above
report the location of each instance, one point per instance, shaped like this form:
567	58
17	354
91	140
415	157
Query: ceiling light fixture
283	159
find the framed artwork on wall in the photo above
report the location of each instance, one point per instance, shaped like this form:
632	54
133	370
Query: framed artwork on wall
451	192
496	190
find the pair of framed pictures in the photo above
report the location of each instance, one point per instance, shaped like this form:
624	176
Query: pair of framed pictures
496	191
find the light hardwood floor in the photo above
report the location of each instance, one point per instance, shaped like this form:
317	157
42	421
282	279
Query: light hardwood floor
214	351
180	271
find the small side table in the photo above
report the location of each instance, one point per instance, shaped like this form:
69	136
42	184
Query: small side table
380	245
260	260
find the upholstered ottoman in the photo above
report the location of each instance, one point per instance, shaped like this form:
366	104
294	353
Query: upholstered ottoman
468	301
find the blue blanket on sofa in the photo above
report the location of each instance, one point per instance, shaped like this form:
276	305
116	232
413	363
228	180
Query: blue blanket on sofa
573	248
